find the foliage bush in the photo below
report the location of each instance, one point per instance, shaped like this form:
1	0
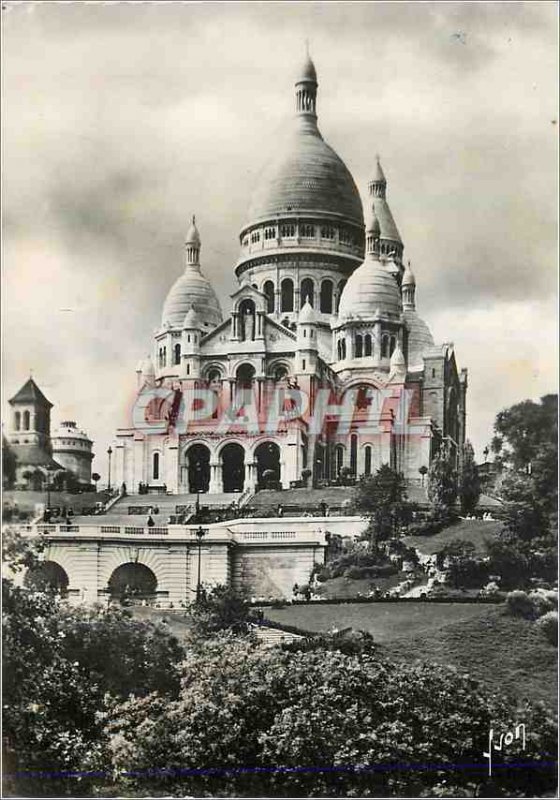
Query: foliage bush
548	624
375	571
519	604
433	523
303	720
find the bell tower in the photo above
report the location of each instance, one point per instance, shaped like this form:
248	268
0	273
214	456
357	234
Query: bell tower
30	420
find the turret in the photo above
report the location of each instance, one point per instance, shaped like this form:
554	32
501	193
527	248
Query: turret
189	354
378	185
192	245
307	339
409	290
306	94
397	367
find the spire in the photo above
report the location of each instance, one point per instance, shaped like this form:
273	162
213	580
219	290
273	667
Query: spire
378	185
397	365
192	245
306	94
409	290
373	232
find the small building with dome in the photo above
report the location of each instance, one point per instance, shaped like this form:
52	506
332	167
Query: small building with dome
324	300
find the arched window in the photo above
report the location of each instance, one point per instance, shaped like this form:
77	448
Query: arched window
353	454
341	286
307	292
307	231
385	346
339	458
343	348
177	354
368	349
268	291
367	460
244	375
287	295
359	345
26	420
155	467
18	420
326	300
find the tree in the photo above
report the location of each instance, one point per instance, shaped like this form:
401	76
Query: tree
381	497
458	557
63	668
264	721
442	481
523	430
9	463
95	478
469	482
220	608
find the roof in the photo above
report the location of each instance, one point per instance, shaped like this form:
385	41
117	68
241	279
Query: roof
191	290
30	393
33	456
420	338
369	289
388	225
379	176
307	71
193	236
306	175
307	314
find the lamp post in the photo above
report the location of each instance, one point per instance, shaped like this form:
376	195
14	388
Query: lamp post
109	453
200	533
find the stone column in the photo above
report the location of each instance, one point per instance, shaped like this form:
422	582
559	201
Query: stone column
216	483
250	475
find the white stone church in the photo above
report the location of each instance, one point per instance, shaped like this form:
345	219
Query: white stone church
324	301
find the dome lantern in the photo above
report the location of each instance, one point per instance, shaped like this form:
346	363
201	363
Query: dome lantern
192	244
306	93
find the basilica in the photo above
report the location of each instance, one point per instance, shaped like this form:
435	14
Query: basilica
325	302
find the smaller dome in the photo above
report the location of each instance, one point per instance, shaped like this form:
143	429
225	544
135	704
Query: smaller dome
193	236
307	314
420	338
191	319
191	290
307	71
408	277
370	289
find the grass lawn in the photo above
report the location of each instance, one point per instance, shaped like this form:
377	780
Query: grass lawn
385	621
505	653
475	531
352	587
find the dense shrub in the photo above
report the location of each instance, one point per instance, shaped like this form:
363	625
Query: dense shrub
376	571
544	601
338	725
519	604
548	624
433	523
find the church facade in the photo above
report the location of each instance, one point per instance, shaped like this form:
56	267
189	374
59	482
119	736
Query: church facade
322	369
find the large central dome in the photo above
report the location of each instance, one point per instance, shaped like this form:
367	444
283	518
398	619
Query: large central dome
307	176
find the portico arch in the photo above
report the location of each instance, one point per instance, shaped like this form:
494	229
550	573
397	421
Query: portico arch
232	458
132	580
198	468
47	575
267	456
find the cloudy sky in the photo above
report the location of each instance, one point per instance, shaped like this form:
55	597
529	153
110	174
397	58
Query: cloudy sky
122	120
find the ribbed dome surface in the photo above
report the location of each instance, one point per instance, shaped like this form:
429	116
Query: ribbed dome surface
419	338
370	288
191	289
305	176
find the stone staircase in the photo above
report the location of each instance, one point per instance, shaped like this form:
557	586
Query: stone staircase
142	505
272	636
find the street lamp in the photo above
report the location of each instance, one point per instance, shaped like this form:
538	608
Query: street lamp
200	533
109	453
49	473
